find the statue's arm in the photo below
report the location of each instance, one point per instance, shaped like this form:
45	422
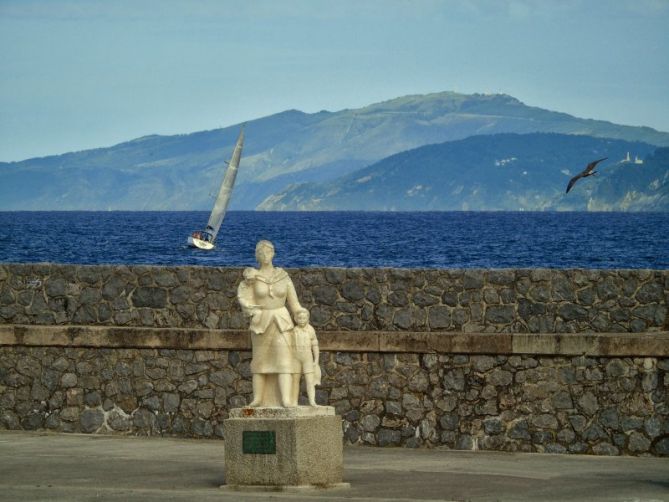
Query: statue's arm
314	346
291	298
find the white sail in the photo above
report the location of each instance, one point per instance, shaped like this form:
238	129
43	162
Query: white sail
223	199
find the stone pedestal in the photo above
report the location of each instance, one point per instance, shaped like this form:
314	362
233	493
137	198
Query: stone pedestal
283	448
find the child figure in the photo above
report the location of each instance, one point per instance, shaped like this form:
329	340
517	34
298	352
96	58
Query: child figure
306	349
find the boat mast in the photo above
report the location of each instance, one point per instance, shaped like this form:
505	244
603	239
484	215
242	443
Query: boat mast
223	199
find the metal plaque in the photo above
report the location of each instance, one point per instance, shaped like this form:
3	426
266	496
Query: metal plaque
259	442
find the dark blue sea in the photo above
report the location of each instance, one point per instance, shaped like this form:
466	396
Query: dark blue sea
344	239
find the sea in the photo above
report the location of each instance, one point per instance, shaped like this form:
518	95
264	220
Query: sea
442	240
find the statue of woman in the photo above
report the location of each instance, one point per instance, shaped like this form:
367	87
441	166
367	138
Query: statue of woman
263	295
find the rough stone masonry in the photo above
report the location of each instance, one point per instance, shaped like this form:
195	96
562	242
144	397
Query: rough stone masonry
535	301
148	380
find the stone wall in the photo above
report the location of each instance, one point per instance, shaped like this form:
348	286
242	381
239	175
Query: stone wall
515	360
534	301
579	404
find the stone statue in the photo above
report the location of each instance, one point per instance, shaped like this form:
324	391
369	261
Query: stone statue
266	294
307	353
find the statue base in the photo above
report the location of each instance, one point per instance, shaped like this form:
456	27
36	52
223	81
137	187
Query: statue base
275	449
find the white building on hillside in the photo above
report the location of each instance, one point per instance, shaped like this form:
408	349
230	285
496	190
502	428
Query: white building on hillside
628	159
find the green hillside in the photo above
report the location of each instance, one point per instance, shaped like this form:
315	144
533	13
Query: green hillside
181	172
498	172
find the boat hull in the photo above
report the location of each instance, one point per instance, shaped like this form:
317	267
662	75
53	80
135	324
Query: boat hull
198	243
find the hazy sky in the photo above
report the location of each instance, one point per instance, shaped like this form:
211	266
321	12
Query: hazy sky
79	74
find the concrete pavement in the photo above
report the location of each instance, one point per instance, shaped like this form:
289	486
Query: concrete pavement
39	466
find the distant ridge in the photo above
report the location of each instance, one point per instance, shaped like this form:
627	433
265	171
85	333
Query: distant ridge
178	172
508	172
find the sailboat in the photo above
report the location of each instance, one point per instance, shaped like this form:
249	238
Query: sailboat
205	239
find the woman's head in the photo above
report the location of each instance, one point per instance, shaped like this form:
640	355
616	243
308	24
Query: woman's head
264	251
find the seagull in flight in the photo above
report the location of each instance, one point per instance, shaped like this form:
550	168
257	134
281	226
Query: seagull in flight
588	171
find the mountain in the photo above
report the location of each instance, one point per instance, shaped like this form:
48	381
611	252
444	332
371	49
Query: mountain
496	172
181	172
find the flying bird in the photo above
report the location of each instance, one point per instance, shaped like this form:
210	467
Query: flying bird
588	171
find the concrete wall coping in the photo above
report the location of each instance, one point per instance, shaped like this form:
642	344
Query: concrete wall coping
647	344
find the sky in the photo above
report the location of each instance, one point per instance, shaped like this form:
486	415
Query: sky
81	74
